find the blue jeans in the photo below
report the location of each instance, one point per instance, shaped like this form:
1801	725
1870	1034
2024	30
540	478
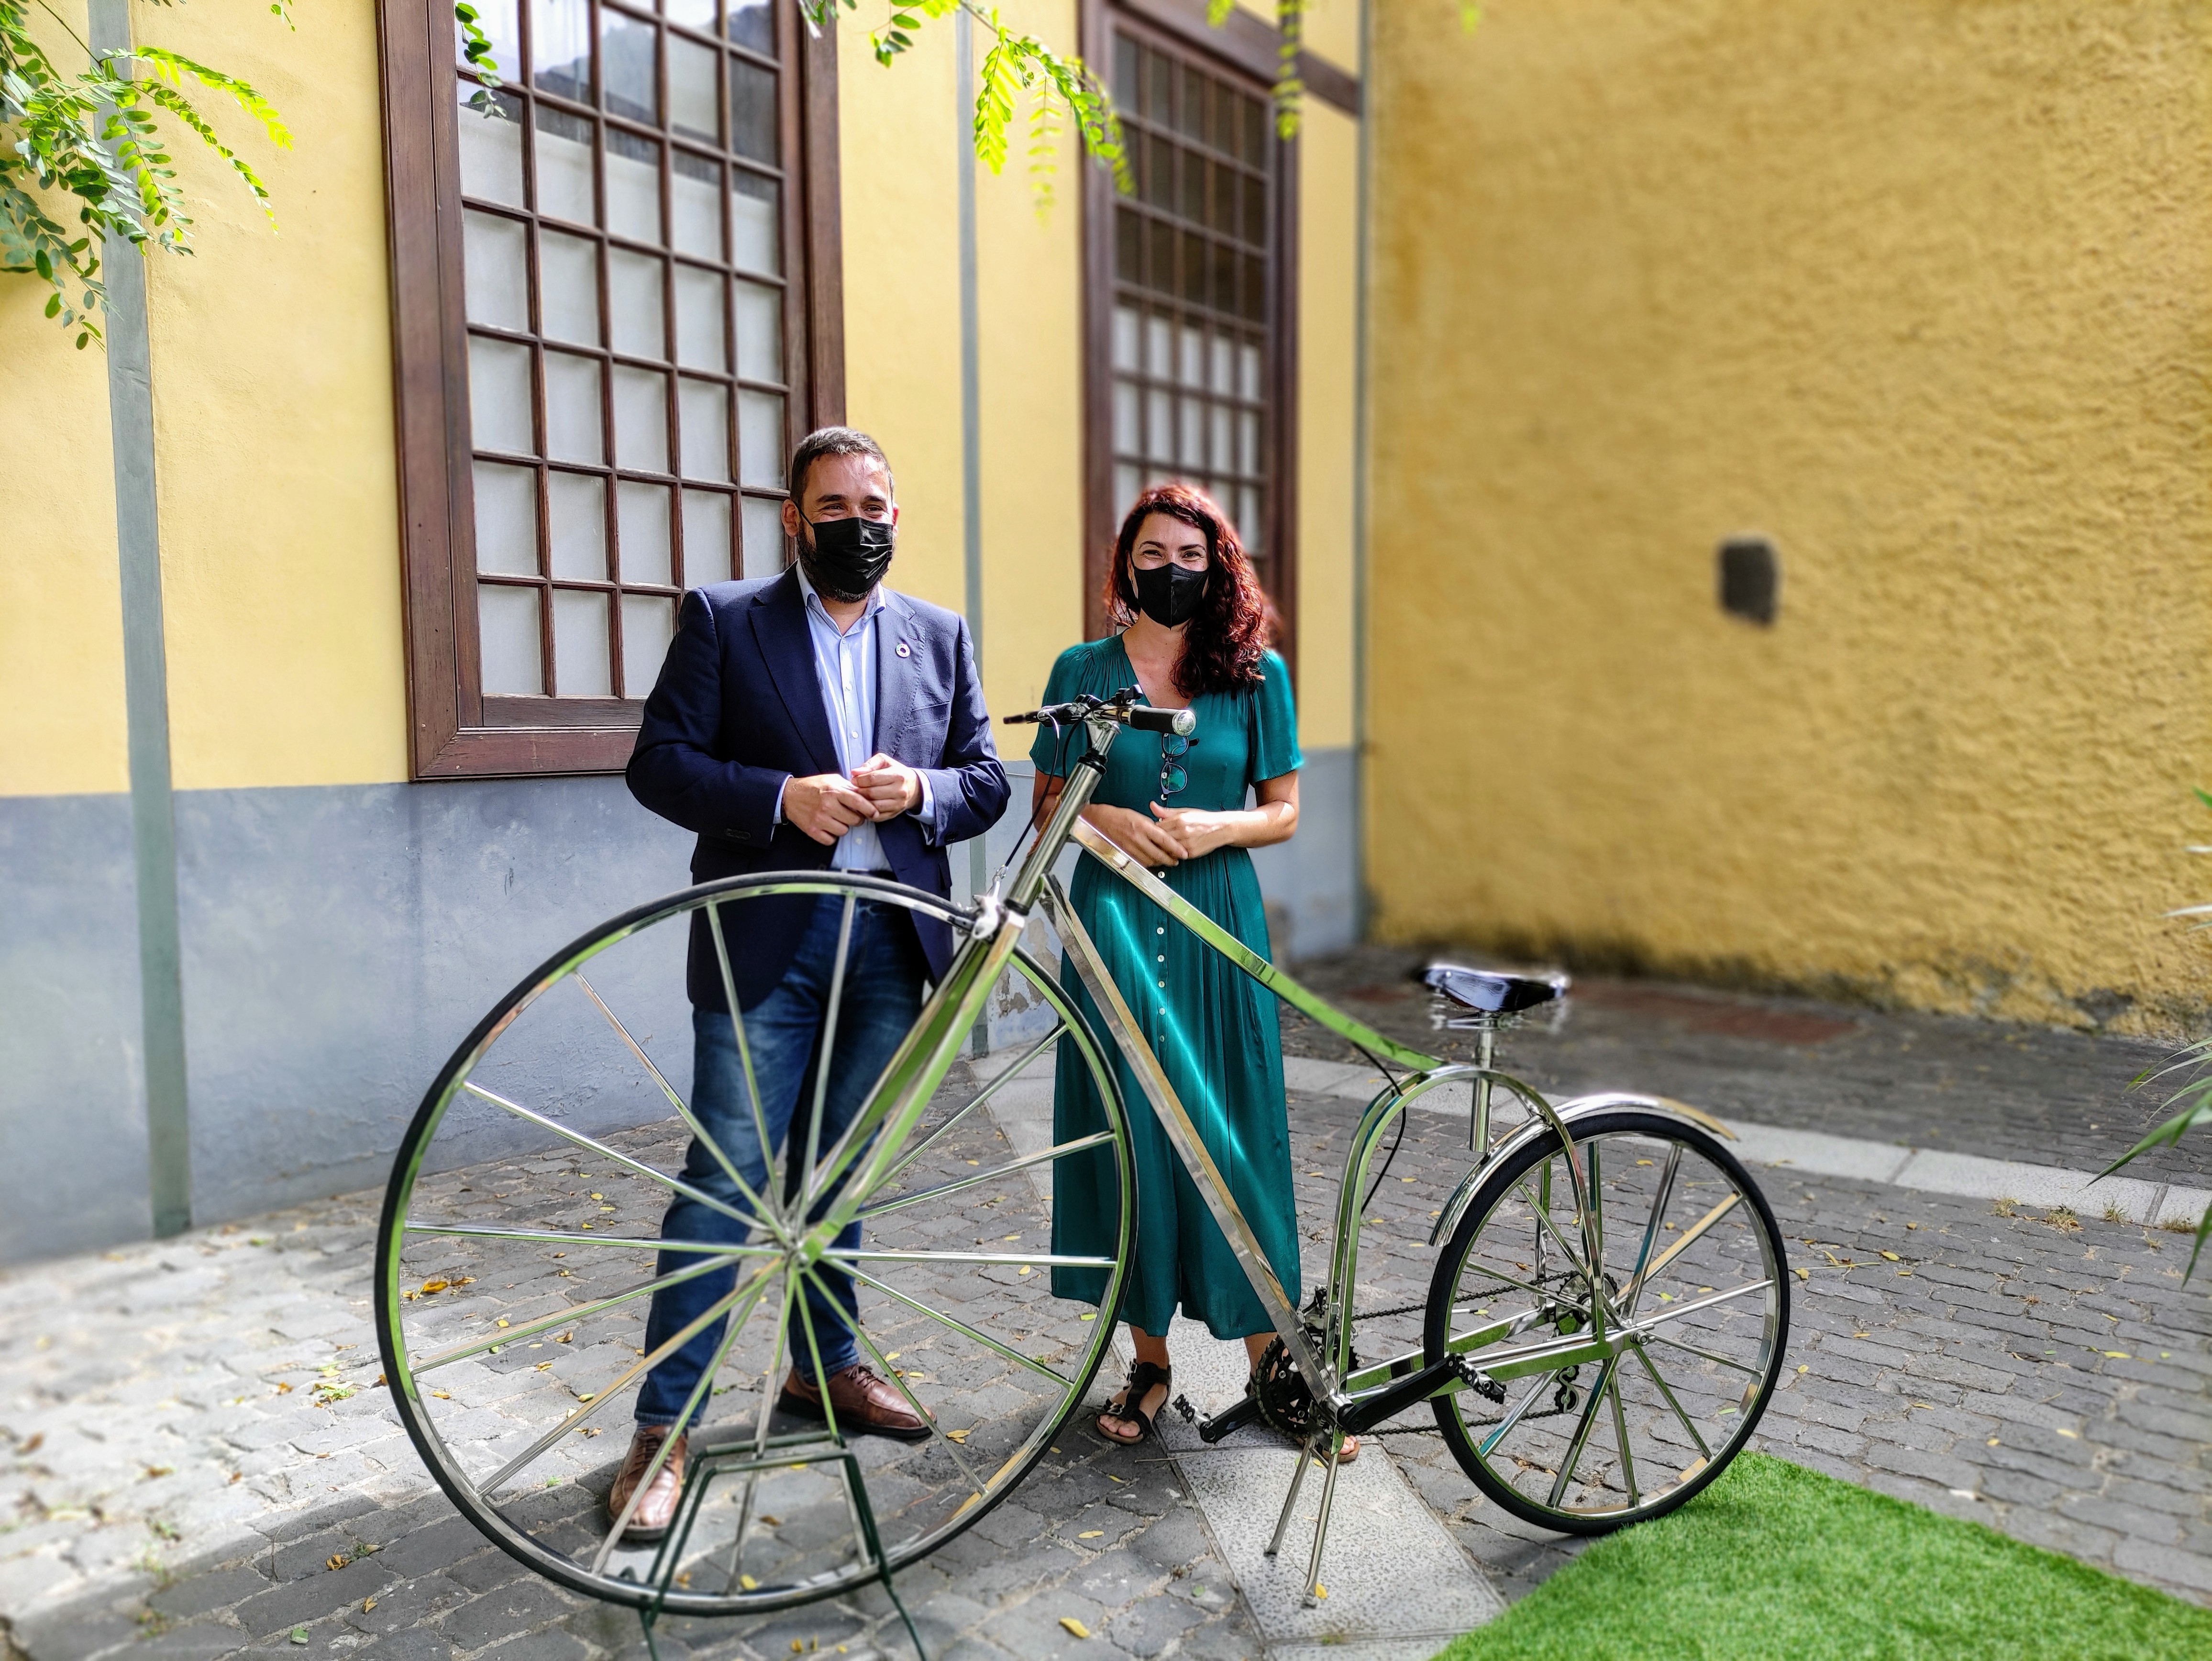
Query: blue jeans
884	975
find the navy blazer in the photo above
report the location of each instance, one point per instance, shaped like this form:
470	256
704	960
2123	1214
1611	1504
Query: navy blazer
738	711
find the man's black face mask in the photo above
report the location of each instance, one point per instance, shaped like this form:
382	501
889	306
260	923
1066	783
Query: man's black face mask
1168	594
846	557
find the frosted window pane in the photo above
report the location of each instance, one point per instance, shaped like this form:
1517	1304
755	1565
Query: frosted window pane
764	537
1129	437
754	244
562	30
499	396
760	332
1248	442
649	624
1159	348
691	89
752	23
1192	450
707	537
496	257
1224	367
760	439
491	145
1159	412
632	186
693	14
576	525
1248	519
1126	329
640	420
572	409
564	166
1248	372
506	519
1127	481
626	68
633	303
568	287
752	111
705	409
1225	442
642	511
580	666
507	628
1193	357
695	197
699	318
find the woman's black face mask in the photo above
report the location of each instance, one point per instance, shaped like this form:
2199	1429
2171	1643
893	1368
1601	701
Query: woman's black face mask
846	557
1168	594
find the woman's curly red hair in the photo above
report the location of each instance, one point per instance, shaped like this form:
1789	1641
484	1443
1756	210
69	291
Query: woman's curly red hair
1234	625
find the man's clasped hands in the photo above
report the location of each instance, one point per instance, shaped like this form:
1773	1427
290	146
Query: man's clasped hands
825	805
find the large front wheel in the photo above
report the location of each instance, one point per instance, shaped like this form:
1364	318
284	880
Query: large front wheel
527	1235
1624	1351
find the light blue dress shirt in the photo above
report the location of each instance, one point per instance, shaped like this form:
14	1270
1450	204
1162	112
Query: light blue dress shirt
845	664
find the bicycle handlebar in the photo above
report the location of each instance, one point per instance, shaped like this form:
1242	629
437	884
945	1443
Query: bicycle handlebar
1121	708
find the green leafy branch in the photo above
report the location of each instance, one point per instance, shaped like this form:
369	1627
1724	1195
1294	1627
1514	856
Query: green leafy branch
92	137
2194	1098
1017	68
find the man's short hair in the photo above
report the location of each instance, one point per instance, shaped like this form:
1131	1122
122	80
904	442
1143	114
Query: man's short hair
831	441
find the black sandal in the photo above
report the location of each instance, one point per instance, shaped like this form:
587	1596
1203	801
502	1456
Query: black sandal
1142	1377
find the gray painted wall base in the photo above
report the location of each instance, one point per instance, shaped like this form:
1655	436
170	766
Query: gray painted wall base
338	942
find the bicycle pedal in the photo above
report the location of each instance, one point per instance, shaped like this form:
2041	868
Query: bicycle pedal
1182	1405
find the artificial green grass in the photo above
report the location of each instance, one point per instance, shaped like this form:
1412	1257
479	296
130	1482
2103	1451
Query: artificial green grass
1776	1560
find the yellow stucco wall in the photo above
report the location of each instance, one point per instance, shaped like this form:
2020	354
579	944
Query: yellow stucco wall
273	421
1920	291
1328	242
62	727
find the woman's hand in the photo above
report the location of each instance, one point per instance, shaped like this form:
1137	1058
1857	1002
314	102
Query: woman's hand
1138	837
1198	830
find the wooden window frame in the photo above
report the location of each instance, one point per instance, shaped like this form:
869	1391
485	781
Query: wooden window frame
1245	50
456	732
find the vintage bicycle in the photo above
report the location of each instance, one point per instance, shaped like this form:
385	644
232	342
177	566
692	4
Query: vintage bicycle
1604	1321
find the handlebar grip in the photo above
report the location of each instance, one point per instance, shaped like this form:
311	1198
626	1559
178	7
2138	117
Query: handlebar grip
1180	721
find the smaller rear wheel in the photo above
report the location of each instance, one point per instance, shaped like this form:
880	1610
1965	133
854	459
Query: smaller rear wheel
1625	1356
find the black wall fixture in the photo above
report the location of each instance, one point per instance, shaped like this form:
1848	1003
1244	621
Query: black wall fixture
1750	579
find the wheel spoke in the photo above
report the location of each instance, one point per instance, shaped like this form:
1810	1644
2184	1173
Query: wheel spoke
1649	1324
1644	1355
738	1031
1565	1473
976	1101
1044	1258
1651	1229
1704	1354
601	1397
1544	1217
942	1318
581	1313
1676	1247
897	1378
683	1111
554	1236
825	1057
1489	1444
1061	1151
674	1184
1620	1432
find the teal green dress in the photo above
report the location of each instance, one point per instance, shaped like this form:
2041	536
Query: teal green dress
1216	1031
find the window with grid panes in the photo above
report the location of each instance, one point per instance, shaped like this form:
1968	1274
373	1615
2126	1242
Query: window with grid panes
628	400
1190	352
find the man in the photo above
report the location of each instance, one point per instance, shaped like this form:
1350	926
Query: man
813	719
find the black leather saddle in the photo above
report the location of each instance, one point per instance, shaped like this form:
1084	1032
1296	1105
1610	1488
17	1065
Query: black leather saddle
1494	991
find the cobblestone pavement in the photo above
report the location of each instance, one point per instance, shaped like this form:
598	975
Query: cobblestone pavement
194	1437
2039	1095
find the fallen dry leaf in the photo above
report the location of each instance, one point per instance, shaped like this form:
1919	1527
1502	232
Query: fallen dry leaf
283	1388
435	1285
1074	1625
336	1560
749	1583
37	1441
1091	1534
1892	1256
367	1604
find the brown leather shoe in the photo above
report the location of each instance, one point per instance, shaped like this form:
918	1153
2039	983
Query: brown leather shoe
649	1522
867	1403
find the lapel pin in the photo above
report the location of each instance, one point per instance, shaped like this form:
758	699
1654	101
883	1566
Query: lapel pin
903	650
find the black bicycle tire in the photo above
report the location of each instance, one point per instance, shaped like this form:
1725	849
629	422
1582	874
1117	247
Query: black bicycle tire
1444	1282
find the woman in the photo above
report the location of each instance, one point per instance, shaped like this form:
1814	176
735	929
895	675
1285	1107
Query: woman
1193	634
